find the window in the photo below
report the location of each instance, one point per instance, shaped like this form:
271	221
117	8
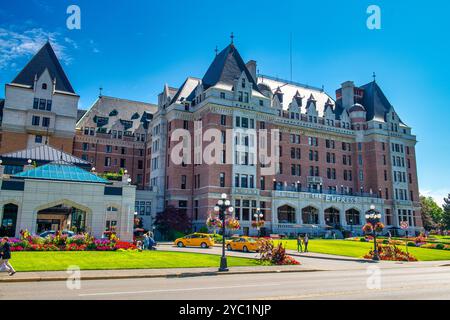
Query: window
46	122
42	103
122	163
35	121
185	125
223	119
222	95
44	86
36	103
49	105
107	161
38	139
222	180
183	182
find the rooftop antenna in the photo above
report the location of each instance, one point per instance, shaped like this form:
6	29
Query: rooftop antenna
374	75
216	51
100	92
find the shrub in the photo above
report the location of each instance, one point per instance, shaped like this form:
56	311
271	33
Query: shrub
411	244
440	246
385	241
269	253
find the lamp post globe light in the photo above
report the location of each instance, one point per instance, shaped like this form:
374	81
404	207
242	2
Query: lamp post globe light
373	217
222	206
258	216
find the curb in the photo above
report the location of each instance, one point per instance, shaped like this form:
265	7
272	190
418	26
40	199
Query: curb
149	276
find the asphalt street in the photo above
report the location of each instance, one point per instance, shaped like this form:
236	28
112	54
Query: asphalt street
421	282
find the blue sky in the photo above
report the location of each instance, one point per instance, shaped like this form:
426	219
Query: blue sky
132	48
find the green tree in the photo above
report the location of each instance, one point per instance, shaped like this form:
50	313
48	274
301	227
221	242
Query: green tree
446	213
431	213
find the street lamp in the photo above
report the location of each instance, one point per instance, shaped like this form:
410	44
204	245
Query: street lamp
373	217
258	216
222	206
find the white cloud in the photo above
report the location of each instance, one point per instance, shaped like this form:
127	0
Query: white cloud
15	45
437	195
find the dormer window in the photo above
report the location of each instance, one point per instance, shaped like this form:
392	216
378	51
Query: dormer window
243	83
44	86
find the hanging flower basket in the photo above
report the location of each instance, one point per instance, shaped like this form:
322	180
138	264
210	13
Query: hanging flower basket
379	227
213	222
233	224
258	224
368	228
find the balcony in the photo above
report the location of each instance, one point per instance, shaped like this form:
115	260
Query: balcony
326	192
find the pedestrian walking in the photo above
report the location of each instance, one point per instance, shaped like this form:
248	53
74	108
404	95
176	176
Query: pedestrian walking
299	244
5	256
305	242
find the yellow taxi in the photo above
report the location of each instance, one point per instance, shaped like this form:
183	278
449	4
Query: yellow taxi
245	244
195	240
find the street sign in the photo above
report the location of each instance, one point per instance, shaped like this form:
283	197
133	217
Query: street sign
404	225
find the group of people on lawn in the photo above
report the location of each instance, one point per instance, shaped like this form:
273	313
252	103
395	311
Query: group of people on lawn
147	243
302	242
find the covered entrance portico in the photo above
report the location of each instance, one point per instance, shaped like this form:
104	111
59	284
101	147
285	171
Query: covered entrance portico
61	217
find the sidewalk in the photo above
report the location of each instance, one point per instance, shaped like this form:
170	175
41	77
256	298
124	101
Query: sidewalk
145	273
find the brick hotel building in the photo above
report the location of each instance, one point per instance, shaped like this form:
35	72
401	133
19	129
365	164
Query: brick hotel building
337	155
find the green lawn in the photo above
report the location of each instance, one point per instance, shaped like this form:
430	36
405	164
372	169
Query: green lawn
359	249
95	260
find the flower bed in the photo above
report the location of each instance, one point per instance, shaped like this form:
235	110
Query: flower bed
59	242
391	253
418	242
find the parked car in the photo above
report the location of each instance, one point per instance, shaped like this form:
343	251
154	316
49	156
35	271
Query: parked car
245	244
53	232
195	240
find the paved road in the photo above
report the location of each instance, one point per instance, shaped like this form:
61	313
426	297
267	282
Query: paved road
400	283
313	260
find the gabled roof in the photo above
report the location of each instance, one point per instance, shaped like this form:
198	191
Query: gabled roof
44	153
226	68
61	171
375	102
186	89
117	114
44	59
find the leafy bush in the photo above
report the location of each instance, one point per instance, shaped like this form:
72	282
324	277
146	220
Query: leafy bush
440	246
269	253
411	244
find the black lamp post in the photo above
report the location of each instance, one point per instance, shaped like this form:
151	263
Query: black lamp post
373	217
222	206
258	216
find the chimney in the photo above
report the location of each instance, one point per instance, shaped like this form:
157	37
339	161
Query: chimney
251	66
348	95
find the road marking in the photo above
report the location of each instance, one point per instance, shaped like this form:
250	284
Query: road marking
176	290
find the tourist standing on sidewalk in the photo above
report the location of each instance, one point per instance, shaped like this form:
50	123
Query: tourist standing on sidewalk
299	244
305	242
5	256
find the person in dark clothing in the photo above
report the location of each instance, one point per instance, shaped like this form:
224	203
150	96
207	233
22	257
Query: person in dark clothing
299	244
5	256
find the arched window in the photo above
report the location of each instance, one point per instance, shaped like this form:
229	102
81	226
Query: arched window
286	214
352	217
332	217
9	220
44	86
111	209
310	215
